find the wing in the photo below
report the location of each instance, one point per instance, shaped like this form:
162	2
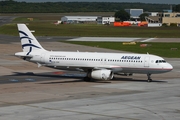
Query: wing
113	68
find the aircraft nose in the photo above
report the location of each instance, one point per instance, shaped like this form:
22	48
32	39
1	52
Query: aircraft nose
169	67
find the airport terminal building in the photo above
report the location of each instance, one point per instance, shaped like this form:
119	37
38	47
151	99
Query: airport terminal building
165	18
169	18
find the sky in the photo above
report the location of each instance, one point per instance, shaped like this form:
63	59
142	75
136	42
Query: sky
142	1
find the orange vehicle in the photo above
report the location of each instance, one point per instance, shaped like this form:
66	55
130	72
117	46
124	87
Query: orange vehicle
143	23
119	24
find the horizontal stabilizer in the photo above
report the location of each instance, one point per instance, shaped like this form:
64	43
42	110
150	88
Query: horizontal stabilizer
23	54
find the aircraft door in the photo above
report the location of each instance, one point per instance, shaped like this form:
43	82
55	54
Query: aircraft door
146	61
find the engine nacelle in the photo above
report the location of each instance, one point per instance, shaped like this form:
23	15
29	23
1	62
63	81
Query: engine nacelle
102	74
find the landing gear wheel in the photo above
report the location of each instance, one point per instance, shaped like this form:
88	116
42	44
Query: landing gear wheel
149	78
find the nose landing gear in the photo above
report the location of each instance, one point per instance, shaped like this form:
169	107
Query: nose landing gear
149	78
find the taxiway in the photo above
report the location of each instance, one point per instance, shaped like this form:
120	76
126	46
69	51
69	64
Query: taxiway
32	93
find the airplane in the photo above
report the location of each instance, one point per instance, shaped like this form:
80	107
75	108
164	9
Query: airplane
98	66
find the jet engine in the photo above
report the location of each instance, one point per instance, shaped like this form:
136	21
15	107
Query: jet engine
102	74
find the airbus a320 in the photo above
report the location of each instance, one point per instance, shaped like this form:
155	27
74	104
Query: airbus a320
98	66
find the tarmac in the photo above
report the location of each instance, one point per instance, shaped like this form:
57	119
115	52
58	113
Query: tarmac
32	93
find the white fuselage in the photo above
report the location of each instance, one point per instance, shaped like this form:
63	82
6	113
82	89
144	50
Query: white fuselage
117	62
100	66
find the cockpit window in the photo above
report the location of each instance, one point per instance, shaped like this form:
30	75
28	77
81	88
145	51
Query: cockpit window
163	61
160	61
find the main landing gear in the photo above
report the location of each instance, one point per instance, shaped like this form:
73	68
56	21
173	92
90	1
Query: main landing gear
149	78
88	76
87	79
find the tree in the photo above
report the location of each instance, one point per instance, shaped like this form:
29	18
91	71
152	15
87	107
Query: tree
122	15
176	8
12	6
143	15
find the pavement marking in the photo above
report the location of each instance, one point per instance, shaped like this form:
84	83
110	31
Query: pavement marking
148	40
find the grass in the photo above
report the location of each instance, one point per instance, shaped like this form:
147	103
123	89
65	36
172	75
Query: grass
24	19
47	28
160	49
44	26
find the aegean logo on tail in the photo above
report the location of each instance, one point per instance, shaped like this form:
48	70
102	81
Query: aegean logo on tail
30	39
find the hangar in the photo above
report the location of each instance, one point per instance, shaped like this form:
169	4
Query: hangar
79	19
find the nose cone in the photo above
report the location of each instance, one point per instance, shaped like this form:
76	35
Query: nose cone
169	67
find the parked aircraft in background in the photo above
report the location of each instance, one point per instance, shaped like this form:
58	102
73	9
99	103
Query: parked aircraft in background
100	66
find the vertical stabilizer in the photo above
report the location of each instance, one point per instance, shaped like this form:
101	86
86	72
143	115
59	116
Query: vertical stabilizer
28	41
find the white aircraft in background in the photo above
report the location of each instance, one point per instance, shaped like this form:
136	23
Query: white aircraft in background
99	66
